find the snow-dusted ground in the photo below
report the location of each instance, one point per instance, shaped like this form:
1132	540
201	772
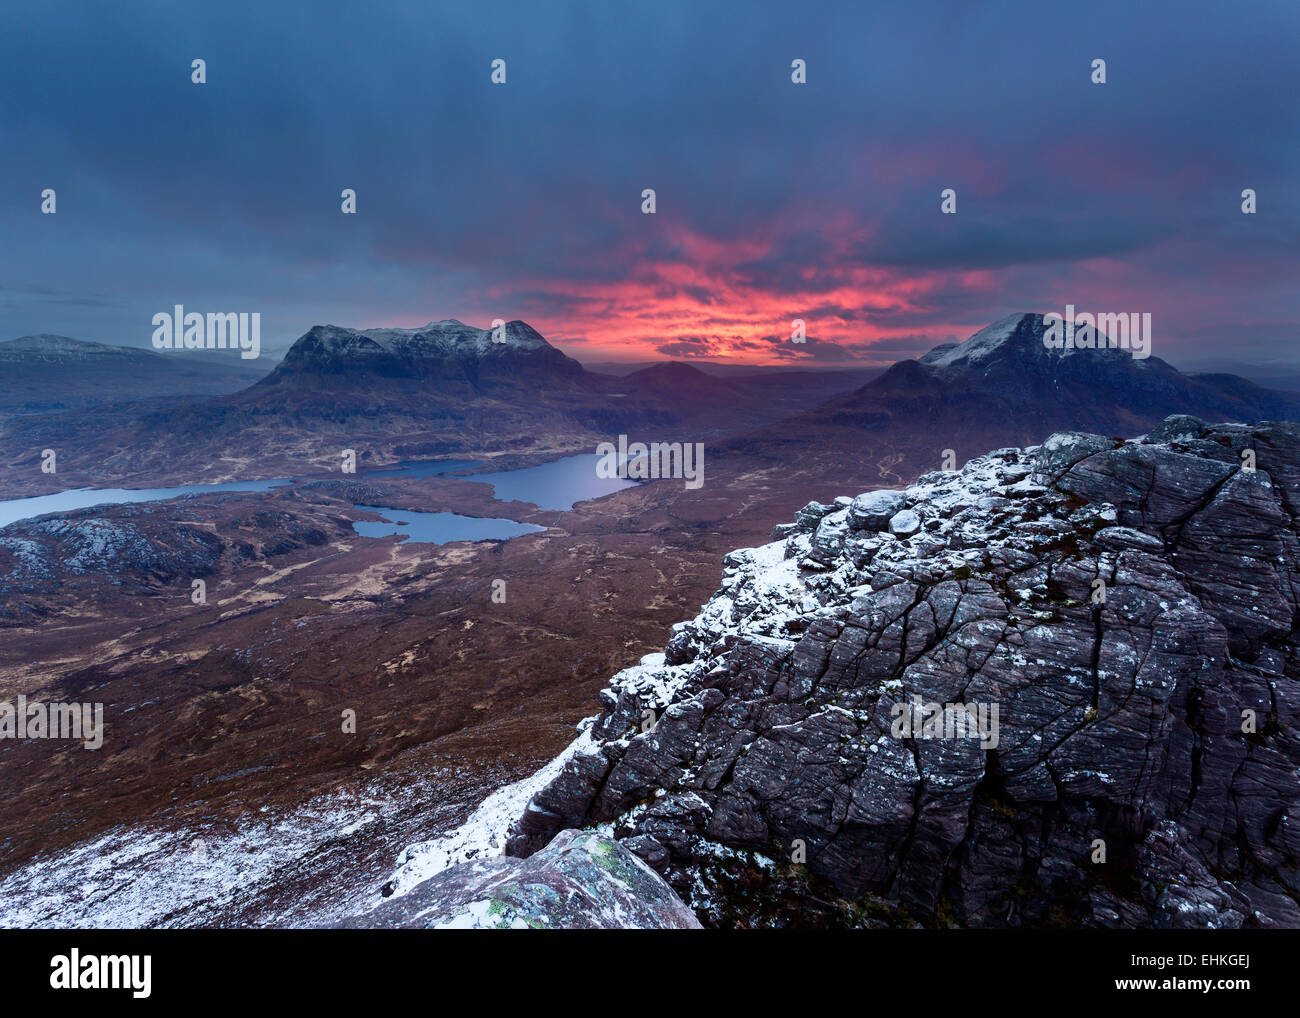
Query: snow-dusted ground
149	876
308	866
483	835
311	865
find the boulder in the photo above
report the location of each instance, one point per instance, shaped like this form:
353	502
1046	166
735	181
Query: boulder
1178	428
807	518
1064	449
828	539
904	523
578	881
874	509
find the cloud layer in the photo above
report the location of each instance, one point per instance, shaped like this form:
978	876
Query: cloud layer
775	201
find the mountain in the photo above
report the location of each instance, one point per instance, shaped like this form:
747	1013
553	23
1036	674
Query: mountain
1072	388
446	357
444	389
1000	387
756	395
677	381
47	372
1272	375
921	705
50	348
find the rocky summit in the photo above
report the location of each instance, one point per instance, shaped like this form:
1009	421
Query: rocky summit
446	355
1122	615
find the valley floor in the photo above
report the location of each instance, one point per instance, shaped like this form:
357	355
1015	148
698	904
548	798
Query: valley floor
223	720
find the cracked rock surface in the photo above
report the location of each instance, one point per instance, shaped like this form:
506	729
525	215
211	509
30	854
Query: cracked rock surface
1129	608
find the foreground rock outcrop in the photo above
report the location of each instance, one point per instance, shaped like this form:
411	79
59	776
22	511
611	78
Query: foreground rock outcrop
1057	687
578	881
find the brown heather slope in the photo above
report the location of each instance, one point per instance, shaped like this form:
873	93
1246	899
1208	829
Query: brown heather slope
219	710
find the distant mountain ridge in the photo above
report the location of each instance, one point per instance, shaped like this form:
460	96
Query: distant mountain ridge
1002	387
442	389
447	354
48	372
46	346
447	389
679	380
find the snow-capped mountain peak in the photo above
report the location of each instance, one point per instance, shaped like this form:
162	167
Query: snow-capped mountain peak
984	343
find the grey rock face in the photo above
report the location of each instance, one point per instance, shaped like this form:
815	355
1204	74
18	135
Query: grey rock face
1178	428
828	539
809	516
904	524
1119	538
1149	719
874	510
579	881
1064	449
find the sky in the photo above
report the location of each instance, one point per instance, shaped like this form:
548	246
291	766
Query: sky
774	200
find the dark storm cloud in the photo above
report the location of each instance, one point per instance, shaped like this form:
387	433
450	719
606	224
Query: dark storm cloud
706	347
523	200
811	349
770	347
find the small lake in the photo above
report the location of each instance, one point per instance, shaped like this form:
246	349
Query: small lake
439	528
560	484
555	485
16	509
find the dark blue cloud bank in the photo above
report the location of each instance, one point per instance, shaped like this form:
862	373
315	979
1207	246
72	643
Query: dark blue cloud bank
775	200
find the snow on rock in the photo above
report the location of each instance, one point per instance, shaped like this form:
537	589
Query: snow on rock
580	881
979	346
482	836
147	876
770	716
